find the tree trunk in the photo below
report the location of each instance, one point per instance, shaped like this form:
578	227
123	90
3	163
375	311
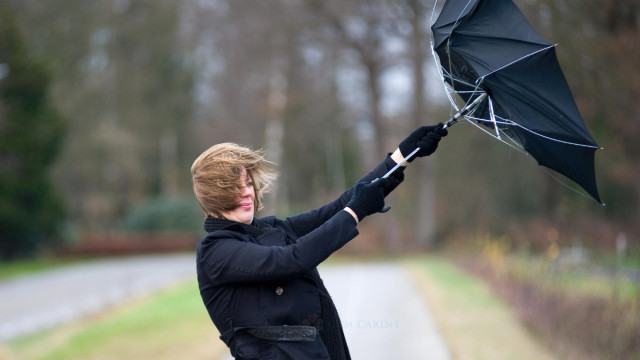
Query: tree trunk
373	72
274	132
380	150
424	223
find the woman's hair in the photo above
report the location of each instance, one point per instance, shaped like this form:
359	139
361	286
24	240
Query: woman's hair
216	177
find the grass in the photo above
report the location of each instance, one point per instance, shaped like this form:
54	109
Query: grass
12	269
474	322
170	325
582	311
173	324
574	279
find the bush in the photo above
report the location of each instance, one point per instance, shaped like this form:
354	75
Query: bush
577	321
166	213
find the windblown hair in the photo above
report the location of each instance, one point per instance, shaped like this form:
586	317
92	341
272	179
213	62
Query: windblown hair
216	177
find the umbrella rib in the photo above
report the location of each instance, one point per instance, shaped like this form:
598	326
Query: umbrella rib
455	24
568	186
513	123
514	144
436	62
448	52
448	91
449	88
493	117
503	121
515	61
517	146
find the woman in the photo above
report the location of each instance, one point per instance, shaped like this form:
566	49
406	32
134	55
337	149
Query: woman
258	277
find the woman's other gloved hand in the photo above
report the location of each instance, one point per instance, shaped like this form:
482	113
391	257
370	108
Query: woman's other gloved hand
426	138
367	198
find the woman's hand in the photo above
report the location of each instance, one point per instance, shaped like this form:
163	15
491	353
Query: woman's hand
426	138
367	199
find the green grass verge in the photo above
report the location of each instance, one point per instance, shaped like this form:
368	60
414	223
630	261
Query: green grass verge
474	322
23	267
577	279
173	324
170	325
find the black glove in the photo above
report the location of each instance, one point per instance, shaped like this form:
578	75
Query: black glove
426	138
368	198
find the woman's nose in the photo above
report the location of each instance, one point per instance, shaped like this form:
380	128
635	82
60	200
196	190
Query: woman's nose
245	190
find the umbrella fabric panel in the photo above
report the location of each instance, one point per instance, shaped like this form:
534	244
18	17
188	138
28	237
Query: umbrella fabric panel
574	162
484	55
470	58
451	14
534	94
496	19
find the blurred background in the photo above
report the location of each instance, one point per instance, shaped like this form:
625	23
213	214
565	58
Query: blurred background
104	105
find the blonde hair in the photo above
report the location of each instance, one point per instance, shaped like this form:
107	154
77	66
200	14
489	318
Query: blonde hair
216	177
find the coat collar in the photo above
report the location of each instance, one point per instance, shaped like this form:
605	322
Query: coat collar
256	228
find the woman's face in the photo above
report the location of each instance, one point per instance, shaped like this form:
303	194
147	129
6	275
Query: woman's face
244	210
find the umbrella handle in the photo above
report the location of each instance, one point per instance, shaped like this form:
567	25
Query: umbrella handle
386	208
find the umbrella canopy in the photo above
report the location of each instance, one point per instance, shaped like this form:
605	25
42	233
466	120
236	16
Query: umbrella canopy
487	46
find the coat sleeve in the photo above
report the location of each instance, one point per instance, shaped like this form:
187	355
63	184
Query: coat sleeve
224	259
306	222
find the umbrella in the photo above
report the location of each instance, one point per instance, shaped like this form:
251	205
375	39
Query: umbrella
512	85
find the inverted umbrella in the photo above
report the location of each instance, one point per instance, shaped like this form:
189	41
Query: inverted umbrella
512	84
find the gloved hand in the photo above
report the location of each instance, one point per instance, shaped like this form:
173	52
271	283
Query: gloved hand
368	198
426	138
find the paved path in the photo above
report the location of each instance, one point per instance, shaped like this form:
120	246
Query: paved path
383	313
34	302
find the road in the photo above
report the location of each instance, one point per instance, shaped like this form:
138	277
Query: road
35	302
383	315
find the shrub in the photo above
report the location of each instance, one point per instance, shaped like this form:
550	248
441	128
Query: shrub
166	213
574	321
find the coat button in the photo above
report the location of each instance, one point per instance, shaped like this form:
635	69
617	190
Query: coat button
279	290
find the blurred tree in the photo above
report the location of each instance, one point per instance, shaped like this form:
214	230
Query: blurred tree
415	16
147	85
363	27
363	30
31	212
269	80
599	51
124	78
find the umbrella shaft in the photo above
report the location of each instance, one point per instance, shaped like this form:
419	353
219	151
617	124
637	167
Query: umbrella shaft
465	110
400	163
451	121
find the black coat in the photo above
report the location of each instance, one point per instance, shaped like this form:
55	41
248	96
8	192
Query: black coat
265	275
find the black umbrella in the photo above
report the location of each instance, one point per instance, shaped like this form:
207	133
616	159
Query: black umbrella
488	47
